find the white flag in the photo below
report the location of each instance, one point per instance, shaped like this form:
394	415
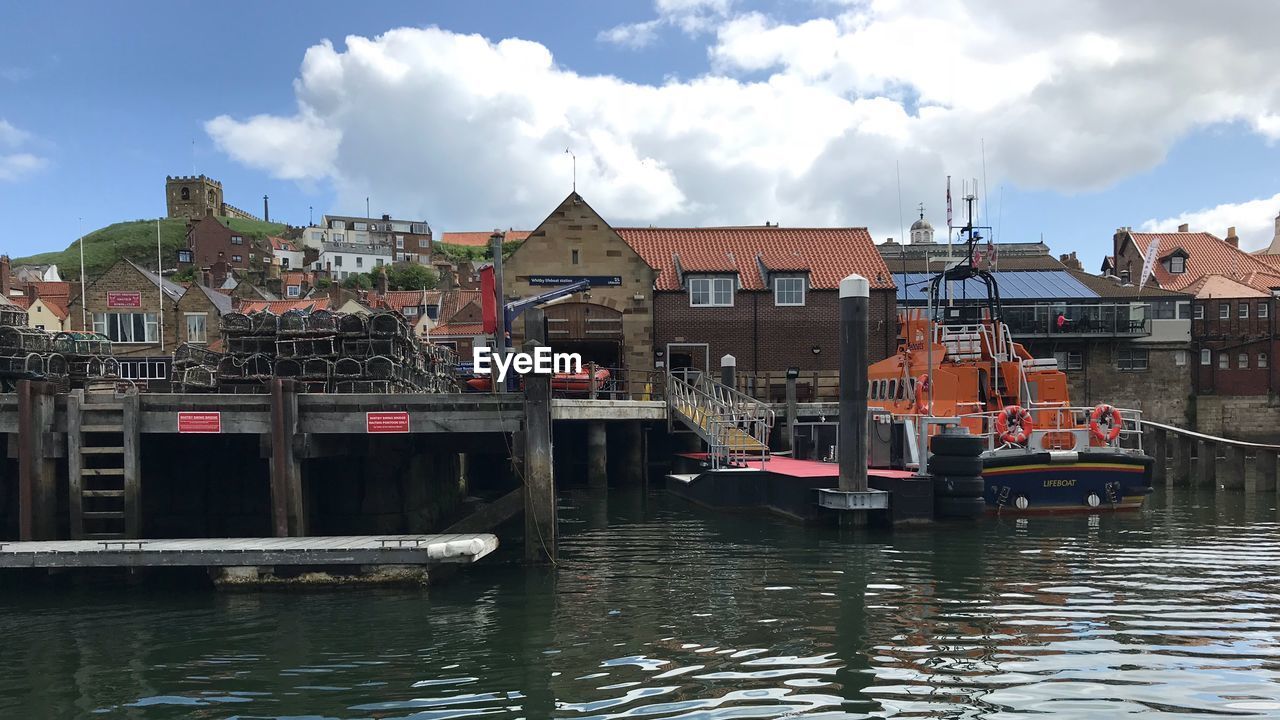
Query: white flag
1149	262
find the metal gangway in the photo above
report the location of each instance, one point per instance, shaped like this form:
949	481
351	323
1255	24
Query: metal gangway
735	426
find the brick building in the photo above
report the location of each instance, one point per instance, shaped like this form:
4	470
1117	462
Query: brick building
406	240
460	321
211	244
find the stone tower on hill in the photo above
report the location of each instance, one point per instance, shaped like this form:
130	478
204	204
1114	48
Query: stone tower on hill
194	196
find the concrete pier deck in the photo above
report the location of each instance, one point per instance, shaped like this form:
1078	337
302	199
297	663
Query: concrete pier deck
372	550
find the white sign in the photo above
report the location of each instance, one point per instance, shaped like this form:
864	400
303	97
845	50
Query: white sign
1149	262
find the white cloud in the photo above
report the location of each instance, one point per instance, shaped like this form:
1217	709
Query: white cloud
693	17
799	122
1254	221
16	165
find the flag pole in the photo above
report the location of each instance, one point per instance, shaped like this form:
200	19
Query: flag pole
160	283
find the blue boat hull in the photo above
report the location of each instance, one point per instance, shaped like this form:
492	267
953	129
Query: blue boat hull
1031	483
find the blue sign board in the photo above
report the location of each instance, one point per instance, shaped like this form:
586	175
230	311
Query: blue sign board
595	280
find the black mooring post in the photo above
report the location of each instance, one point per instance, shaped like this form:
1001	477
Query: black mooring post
539	474
854	297
729	371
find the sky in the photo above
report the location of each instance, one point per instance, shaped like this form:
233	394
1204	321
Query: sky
1069	117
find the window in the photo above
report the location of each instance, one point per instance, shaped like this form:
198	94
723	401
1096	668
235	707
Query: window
1199	311
284	262
337	262
186	193
359	261
237	258
1224	361
711	292
252	256
399	242
197	328
1130	359
338	224
573	257
237	240
185	256
127	327
1177	265
1244	310
338	237
1224	311
411	311
360	226
1069	360
1180	358
1242	361
788	291
293	291
380	263
893	389
317	236
1264	309
1206	357
1184	311
1262	360
418	228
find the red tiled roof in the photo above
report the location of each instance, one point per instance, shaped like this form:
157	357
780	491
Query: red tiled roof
398	300
282	306
457	330
829	254
279	243
53	290
480	239
21	301
454	301
1206	255
58	309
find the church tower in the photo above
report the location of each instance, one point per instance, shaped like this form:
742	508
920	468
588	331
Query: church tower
193	196
921	230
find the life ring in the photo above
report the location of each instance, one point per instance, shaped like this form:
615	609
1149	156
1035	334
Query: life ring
1014	425
1105	414
923	404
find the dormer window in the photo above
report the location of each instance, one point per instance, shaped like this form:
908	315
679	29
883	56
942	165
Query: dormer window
788	291
1176	263
711	291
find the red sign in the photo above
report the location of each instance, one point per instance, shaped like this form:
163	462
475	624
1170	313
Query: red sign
122	299
387	422
199	422
488	300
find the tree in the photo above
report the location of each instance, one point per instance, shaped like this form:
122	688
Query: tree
411	276
358	281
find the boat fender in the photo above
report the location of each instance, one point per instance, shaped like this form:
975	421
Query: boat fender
1093	500
924	406
1021	502
1014	425
1105	423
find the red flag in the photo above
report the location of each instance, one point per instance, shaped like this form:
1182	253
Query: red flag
488	300
948	201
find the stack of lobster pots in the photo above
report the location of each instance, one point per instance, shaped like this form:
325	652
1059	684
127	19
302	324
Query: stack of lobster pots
955	463
66	359
323	351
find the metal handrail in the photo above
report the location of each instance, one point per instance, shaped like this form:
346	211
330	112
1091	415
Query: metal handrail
723	416
1049	420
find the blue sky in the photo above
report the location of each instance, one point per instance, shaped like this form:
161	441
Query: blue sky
109	97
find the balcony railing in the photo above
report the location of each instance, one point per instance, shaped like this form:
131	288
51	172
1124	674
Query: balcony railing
1121	320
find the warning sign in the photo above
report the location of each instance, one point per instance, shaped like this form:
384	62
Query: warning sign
199	422
387	422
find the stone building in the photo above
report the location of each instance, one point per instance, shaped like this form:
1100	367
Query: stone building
194	196
199	313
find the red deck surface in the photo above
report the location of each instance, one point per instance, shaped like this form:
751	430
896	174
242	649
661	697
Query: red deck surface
790	467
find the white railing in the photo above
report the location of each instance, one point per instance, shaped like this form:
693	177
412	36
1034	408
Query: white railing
1058	428
734	425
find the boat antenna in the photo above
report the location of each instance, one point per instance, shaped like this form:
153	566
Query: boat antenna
986	211
902	241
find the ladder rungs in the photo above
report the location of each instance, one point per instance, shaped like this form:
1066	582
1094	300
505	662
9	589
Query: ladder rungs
116	450
102	493
90	472
103	515
101	428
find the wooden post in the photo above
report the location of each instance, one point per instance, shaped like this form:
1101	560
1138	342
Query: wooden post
287	513
633	457
37	495
1160	453
75	464
789	428
539	472
1233	477
1206	464
130	424
597	454
1180	471
1267	466
591	378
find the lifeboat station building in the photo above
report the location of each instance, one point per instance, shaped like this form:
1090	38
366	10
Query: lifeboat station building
663	299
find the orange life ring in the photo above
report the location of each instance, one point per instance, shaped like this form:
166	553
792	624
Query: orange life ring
1014	425
923	405
1105	414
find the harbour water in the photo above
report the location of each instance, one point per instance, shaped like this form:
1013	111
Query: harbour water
661	610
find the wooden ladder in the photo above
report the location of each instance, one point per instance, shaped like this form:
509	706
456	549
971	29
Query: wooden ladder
102	465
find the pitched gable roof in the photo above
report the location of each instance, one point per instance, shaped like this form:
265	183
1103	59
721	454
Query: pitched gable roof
58	309
828	254
171	289
282	306
1206	255
398	300
221	301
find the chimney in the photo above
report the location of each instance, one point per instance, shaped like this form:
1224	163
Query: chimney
266	210
206	278
1184	228
1071	261
1232	239
6	281
382	283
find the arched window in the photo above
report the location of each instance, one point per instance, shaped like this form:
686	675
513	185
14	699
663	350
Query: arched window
186	193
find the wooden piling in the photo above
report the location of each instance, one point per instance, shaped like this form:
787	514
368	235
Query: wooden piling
597	454
539	474
1160	453
789	427
37	475
633	453
1206	464
1233	477
130	424
1266	467
75	464
288	517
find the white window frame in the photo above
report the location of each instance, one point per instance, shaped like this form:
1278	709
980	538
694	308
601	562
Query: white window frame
1131	353
1244	310
237	240
1180	358
293	291
150	329
410	311
1242	361
1181	265
714	285
1224	311
1198	313
1263	361
201	337
1206	357
1264	309
1224	361
778	291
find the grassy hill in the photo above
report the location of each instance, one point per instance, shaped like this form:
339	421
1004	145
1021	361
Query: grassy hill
136	240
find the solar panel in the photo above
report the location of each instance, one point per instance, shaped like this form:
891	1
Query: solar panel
1014	285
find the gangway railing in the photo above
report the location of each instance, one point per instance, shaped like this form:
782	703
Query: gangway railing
734	425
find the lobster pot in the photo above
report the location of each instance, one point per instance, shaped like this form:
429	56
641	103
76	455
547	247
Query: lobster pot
258	367
197	354
264	322
55	364
348	368
286	367
198	377
317	369
354	325
11	315
293	322
247	345
24	339
81	343
109	367
236	324
325	321
380	368
230	368
387	324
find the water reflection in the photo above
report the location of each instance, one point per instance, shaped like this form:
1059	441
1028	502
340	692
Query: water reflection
658	610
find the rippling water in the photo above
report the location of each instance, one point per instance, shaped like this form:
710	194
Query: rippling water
658	610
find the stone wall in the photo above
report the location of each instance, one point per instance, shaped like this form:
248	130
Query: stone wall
124	277
1239	417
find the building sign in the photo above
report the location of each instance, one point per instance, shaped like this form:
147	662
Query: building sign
595	280
200	422
387	422
122	299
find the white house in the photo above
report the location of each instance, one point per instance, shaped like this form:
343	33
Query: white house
342	259
285	254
